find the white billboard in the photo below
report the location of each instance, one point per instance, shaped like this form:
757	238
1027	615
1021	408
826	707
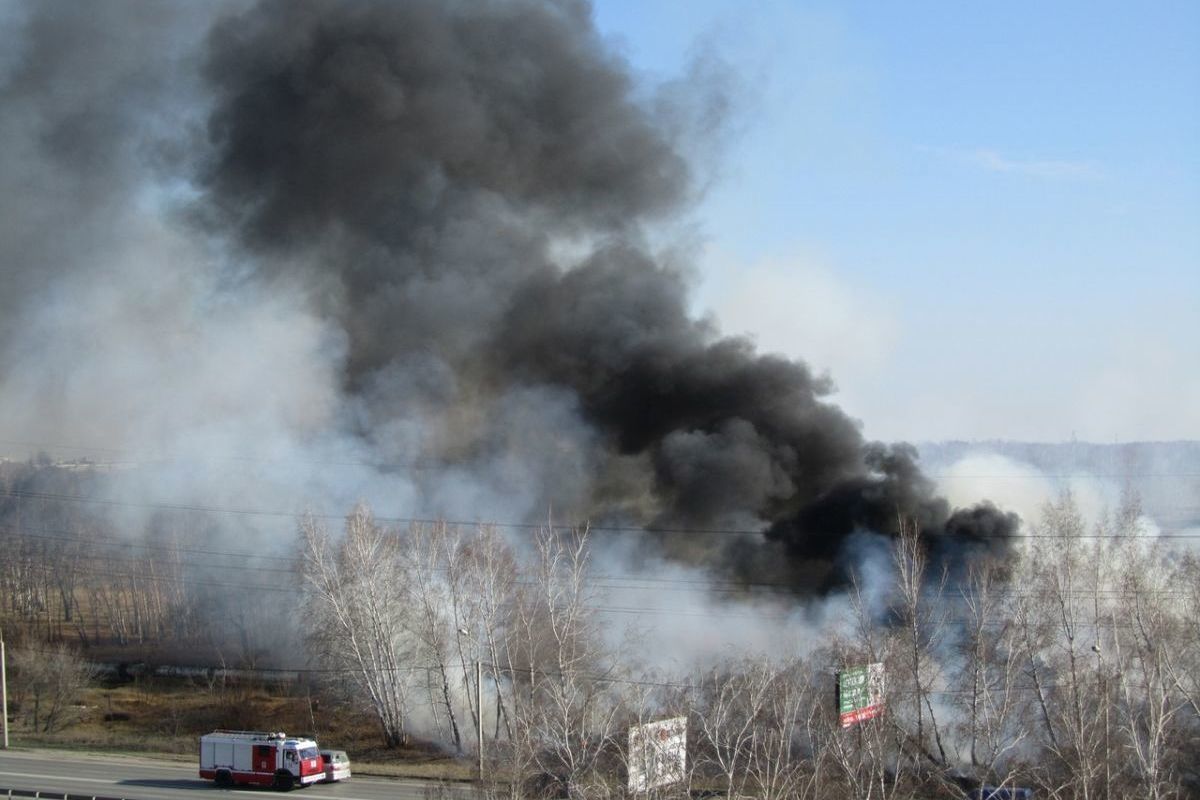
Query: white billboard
657	754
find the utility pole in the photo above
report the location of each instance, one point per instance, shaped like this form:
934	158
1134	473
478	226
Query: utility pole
479	710
3	691
478	693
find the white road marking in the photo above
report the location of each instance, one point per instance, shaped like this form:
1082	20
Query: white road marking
83	758
307	793
103	780
56	777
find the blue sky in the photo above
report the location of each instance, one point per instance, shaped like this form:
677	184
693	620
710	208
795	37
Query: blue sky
982	219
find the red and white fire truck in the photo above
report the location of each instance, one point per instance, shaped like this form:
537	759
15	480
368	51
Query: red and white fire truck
260	758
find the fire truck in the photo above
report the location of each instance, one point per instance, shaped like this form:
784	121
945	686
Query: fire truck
260	758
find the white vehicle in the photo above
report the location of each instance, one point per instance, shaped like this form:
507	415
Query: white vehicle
260	758
337	765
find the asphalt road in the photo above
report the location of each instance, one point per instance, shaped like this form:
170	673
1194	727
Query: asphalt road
149	779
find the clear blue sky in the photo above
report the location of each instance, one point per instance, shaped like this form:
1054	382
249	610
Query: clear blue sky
982	219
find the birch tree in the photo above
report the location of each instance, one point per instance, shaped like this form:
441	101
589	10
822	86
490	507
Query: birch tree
566	706
989	684
429	557
358	613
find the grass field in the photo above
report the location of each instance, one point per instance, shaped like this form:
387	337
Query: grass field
166	717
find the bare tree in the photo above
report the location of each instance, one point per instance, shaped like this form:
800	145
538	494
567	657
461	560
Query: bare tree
1102	628
46	681
429	557
1060	595
988	686
778	765
922	614
1181	659
729	703
358	611
863	762
565	712
488	579
1137	671
1148	701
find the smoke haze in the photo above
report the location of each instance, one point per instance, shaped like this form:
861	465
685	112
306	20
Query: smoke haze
405	252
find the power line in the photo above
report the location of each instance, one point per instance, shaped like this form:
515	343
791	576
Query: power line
140	456
627	581
498	669
1167	532
295	589
46	534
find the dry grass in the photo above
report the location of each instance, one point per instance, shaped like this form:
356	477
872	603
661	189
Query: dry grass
165	717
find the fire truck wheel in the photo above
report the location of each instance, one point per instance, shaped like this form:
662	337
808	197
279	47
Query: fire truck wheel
224	778
284	781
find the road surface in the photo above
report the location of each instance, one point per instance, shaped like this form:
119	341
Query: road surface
139	778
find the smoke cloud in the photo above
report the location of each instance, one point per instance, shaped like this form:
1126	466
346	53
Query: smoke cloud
407	250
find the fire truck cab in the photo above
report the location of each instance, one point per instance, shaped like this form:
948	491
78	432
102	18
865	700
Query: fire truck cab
260	758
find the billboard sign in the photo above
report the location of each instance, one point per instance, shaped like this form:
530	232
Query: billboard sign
860	693
657	754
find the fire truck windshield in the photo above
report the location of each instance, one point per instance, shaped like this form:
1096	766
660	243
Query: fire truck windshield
309	752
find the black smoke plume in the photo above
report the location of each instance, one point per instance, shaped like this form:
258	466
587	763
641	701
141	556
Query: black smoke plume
467	193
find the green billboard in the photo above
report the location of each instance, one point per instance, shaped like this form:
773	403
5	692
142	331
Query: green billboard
860	693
